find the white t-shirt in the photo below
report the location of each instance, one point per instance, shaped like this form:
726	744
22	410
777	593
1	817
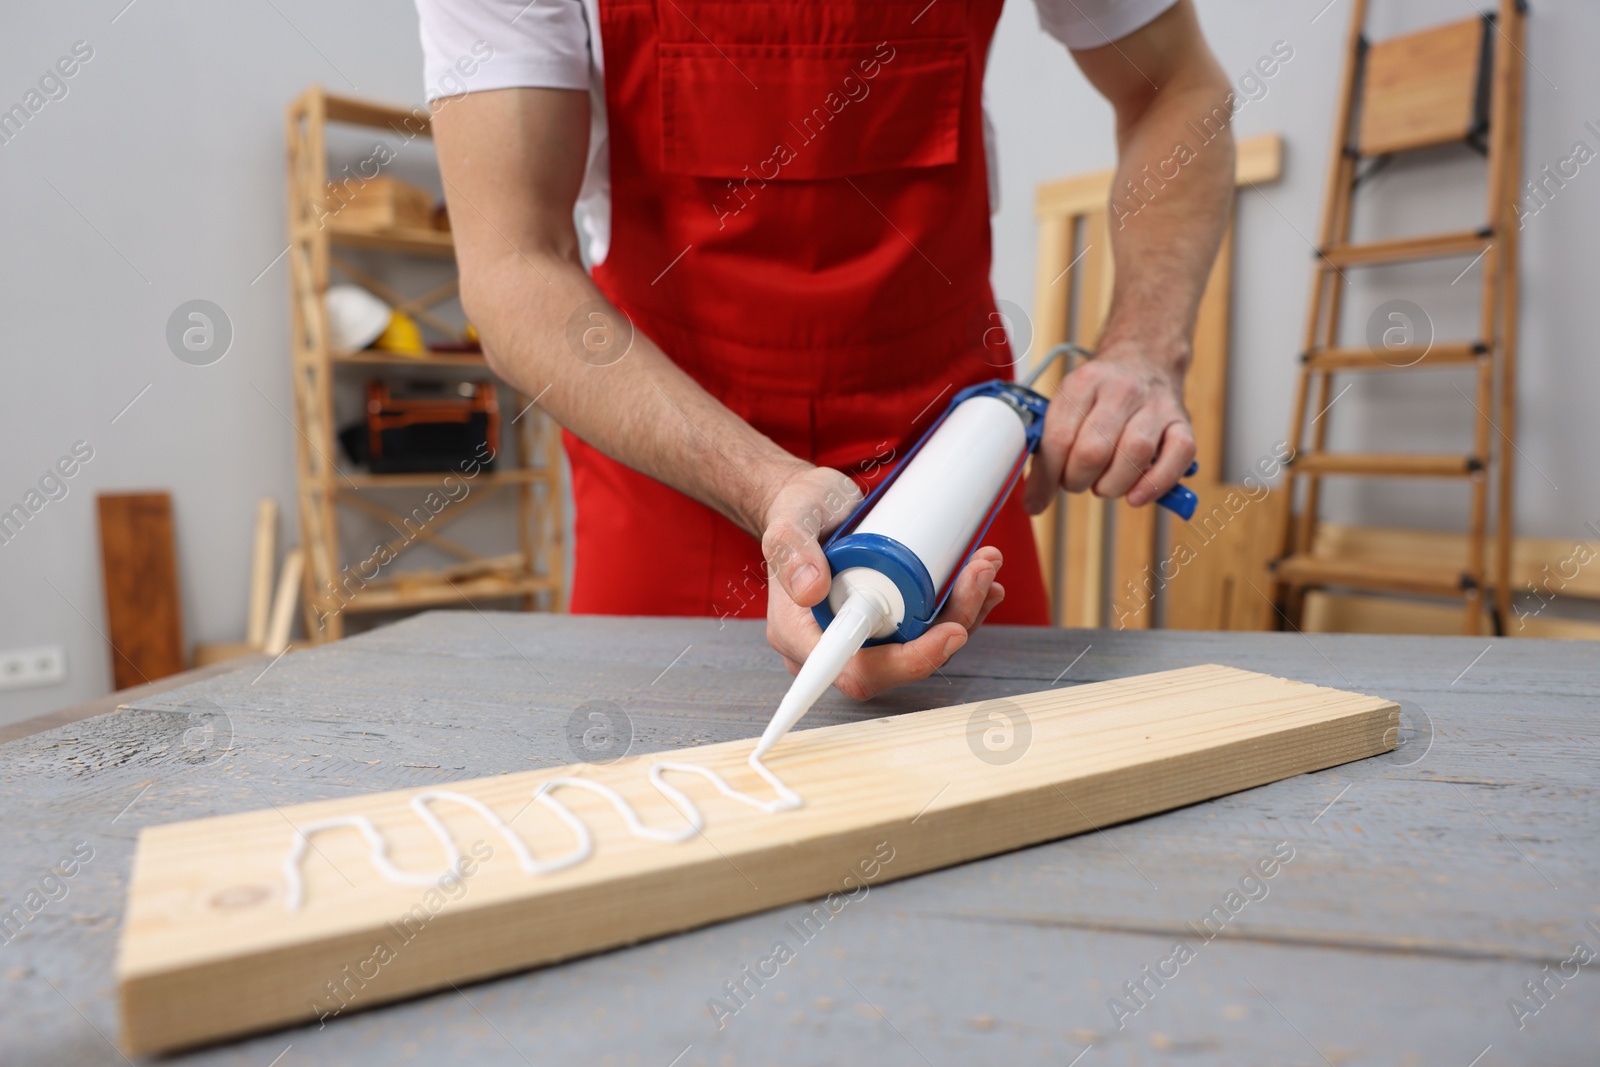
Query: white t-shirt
475	45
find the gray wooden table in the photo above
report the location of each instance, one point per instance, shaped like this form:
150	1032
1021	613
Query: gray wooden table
1426	887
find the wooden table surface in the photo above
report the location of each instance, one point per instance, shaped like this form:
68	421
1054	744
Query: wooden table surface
1426	886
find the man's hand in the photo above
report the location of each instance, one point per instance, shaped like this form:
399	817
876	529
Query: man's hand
1116	425
802	513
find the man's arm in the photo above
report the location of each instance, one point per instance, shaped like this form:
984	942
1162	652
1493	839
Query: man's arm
1117	424
512	162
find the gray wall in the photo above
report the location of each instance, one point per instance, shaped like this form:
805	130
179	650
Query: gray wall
158	179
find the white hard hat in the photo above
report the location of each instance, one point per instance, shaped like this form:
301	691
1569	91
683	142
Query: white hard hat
355	318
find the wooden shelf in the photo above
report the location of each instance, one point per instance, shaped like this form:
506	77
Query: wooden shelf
530	448
415	241
375	358
358	112
426	590
431	479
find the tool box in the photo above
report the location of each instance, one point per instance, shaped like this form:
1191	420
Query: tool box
425	426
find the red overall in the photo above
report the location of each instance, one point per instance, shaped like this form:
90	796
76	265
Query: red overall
800	219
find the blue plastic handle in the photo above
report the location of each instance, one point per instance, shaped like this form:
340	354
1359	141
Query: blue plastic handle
1180	499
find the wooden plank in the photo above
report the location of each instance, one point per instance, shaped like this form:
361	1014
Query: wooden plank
1052	298
1133	561
1203	592
434	479
1507	111
1052	286
1420	89
1258	159
1218	563
277	638
377	357
1084	526
1205	387
1083	583
419	591
263	558
414	120
1546	566
144	615
211	949
1250	577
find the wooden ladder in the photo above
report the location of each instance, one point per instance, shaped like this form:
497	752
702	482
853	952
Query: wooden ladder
1460	82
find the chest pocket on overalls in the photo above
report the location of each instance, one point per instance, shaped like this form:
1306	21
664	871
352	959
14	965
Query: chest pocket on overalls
813	91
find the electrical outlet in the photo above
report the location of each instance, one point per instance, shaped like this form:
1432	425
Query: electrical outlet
25	668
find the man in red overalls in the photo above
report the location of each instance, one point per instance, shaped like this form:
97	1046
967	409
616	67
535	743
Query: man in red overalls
791	277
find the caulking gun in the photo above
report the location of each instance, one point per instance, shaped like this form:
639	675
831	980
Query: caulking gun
896	557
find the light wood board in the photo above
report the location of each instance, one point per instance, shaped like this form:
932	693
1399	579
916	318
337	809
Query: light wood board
1362	613
209	949
282	621
1257	159
262	559
1219	562
1420	88
1542	566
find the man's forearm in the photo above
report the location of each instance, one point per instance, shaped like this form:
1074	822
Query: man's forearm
534	311
513	162
1169	208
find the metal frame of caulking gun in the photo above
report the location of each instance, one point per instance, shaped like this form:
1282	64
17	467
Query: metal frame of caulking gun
845	549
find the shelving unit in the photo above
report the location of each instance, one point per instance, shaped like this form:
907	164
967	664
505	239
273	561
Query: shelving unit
333	586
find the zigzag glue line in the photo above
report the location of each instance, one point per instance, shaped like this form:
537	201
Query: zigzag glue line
787	799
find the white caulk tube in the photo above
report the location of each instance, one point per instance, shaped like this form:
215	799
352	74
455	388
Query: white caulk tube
893	562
